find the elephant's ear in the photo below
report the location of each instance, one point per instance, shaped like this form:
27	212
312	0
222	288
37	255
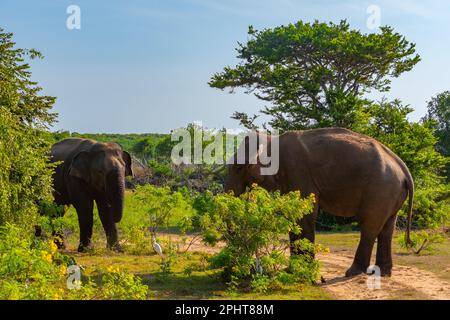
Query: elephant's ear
80	166
127	159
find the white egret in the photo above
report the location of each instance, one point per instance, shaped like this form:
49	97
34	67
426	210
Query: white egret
157	247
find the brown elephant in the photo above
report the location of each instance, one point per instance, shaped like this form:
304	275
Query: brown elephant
351	175
91	171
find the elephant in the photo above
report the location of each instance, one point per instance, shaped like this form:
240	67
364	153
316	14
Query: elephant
88	171
350	174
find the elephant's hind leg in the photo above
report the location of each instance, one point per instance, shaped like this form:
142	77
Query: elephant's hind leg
363	254
384	247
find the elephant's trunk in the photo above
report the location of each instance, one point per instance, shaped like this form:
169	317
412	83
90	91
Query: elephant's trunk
116	193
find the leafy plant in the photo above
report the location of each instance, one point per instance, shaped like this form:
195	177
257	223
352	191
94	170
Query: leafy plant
119	285
254	228
422	240
34	269
169	258
164	207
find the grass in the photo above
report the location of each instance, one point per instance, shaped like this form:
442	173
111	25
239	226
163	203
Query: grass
202	283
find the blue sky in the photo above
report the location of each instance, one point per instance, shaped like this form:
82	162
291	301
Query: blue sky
143	66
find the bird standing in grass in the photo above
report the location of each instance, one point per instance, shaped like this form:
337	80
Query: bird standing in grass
157	247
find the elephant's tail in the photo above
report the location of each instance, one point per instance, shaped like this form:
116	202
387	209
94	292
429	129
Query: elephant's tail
409	184
410	187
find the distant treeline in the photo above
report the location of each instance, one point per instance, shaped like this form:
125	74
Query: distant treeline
142	145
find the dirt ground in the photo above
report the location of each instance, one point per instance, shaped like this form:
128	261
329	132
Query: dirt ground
406	282
414	277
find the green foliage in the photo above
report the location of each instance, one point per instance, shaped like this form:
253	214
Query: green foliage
304	268
155	147
169	258
18	93
150	209
160	168
260	283
413	142
120	285
25	176
252	227
430	209
27	268
34	269
164	207
421	240
439	116
315	74
137	241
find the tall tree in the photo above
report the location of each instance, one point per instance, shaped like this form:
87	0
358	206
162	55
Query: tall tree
25	176
439	116
413	142
316	74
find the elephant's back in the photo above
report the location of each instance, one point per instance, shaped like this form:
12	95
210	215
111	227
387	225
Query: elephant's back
348	156
67	148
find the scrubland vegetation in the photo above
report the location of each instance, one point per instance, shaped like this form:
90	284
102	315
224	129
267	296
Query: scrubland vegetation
216	245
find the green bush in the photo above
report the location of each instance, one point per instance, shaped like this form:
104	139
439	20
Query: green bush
163	208
150	209
119	285
430	209
254	228
422	240
160	169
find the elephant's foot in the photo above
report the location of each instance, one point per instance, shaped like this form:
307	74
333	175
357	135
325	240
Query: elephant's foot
385	268
115	247
355	270
386	271
85	248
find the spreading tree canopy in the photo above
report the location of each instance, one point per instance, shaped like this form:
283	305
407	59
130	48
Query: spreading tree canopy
315	74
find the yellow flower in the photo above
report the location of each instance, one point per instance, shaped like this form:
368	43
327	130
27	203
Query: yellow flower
112	269
254	185
53	247
46	256
62	270
57	295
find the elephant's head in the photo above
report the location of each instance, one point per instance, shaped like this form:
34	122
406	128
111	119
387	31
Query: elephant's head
242	174
104	167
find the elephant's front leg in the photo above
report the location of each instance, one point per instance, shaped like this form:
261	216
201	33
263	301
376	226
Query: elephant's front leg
84	208
107	218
